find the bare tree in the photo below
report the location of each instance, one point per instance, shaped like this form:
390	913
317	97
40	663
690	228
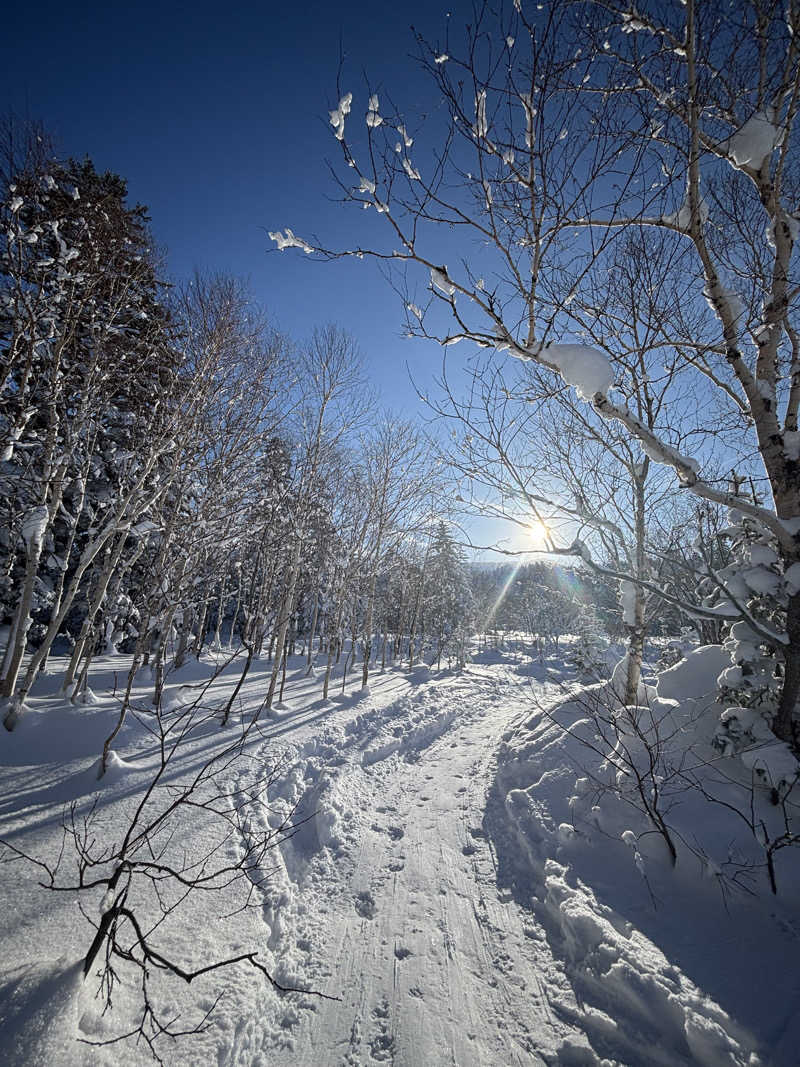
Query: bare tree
549	152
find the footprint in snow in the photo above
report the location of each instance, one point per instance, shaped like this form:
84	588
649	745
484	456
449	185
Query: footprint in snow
381	1044
365	905
395	832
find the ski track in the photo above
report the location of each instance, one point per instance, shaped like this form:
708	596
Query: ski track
401	915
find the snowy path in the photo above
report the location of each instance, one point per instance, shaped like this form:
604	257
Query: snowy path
445	899
433	964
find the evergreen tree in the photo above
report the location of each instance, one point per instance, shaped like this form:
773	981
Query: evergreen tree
86	370
448	599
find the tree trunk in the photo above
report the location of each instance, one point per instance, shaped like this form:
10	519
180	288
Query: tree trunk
785	721
18	635
637	629
310	657
112	559
283	621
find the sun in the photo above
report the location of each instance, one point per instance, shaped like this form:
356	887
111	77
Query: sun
538	532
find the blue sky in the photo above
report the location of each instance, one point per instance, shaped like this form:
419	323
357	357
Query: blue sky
217	116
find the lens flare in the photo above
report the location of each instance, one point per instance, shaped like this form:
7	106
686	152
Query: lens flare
538	532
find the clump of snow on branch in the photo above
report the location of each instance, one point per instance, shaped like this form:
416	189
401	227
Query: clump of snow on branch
289	240
668	456
682	218
373	118
754	142
530	111
587	369
338	115
411	171
632	22
791	222
443	58
627	601
33	525
441	281
481	127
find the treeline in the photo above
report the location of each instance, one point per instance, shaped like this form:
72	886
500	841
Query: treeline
174	472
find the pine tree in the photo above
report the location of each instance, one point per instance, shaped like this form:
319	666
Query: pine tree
448	599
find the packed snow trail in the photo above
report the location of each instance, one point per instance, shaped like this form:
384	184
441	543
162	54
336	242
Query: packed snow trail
434	964
392	896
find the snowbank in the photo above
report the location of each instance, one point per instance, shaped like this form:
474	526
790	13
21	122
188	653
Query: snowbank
648	946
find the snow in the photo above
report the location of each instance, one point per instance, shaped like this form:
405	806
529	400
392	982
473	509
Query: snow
666	455
481	127
792	579
34	525
440	279
619	683
613	951
694	675
627	600
467	892
530	111
771	761
142	529
751	145
586	368
337	116
791	444
373	118
762	580
39	1011
289	240
631	22
412	172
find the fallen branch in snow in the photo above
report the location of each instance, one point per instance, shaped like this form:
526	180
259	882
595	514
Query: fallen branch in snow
146	876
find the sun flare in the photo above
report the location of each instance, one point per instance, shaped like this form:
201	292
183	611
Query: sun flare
538	532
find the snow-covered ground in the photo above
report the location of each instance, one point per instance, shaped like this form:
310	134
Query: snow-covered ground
452	879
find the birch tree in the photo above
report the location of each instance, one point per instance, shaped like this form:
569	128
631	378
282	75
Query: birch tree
559	128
